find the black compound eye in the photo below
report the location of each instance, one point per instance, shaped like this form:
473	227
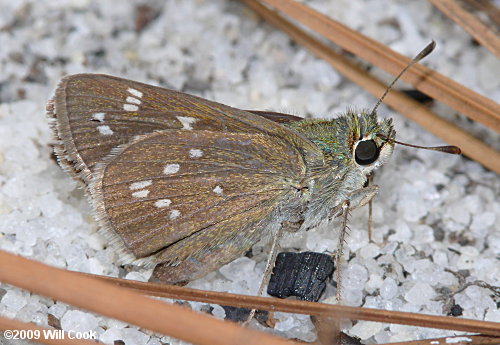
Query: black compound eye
366	152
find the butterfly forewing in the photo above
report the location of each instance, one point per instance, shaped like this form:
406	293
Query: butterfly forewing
95	113
168	188
276	117
176	179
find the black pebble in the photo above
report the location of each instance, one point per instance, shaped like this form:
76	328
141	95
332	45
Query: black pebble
456	310
302	275
241	314
418	96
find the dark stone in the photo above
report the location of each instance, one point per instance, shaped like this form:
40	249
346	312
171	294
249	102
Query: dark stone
456	310
302	275
241	314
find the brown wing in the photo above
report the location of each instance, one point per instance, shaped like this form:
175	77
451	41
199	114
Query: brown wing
276	117
92	113
182	196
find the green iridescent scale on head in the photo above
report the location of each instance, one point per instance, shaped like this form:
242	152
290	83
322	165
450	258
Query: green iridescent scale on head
337	137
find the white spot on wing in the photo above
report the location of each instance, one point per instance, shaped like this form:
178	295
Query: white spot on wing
218	190
133	100
98	117
130	107
140	184
186	121
135	92
141	194
163	203
171	169
174	214
195	153
104	130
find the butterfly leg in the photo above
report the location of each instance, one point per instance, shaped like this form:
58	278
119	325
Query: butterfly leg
357	198
269	267
370	208
340	246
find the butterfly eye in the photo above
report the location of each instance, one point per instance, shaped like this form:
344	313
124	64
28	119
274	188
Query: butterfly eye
366	152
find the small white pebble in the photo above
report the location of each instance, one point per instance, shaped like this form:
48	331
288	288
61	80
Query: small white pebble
78	321
456	340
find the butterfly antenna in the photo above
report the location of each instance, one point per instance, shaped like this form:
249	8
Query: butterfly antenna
426	51
454	150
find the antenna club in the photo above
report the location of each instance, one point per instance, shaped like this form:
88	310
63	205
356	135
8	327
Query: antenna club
423	53
454	150
427	50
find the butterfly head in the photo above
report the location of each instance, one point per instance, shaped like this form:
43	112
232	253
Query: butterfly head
355	139
369	142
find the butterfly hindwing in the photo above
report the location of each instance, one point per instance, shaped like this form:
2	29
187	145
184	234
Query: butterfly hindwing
218	244
182	185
